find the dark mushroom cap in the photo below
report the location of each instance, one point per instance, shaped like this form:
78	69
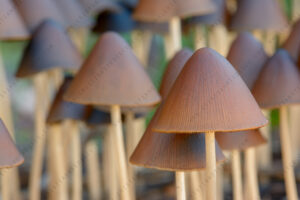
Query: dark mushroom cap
49	48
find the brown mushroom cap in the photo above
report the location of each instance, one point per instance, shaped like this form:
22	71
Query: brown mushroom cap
74	14
49	48
97	6
12	26
219	16
61	110
34	12
278	83
259	15
172	152
209	95
112	75
9	154
240	140
163	11
173	69
292	44
247	55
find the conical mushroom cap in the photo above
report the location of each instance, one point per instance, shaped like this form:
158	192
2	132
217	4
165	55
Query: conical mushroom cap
112	75
9	154
292	44
259	15
241	54
49	48
74	14
240	140
114	21
173	69
34	12
278	83
61	110
163	11
12	26
98	6
209	95
172	152
217	17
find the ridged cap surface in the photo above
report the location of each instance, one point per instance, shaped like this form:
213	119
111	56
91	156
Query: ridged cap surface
9	154
163	11
209	95
240	140
278	83
172	152
173	69
259	15
247	55
35	12
12	27
112	75
61	110
49	48
292	44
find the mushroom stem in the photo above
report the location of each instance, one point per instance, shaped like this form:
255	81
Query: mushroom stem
130	145
288	165
237	175
76	162
119	141
79	37
60	175
252	187
218	39
265	151
195	185
93	173
6	116
175	32
200	37
180	186
211	167
40	135
5	179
